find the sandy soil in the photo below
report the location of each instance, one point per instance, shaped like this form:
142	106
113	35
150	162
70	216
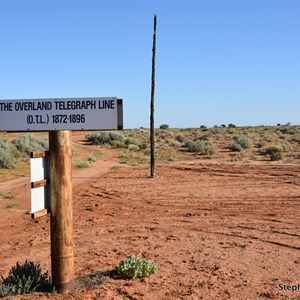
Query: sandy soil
215	230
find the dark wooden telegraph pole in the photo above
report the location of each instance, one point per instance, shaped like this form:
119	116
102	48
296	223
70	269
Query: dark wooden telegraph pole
152	143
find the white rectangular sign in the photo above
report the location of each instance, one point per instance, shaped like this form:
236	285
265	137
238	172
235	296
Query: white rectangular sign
39	170
40	199
61	114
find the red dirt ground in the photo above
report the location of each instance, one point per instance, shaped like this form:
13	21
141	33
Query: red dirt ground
216	230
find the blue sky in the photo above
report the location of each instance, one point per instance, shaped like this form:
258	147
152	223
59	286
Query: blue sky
218	62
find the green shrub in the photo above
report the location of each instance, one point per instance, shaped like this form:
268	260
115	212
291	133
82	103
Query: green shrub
240	142
5	290
117	144
236	147
286	146
174	144
205	137
92	159
134	267
6	196
133	148
9	155
164	126
179	138
103	138
28	143
131	141
275	152
25	278
143	146
10	205
290	130
200	147
83	164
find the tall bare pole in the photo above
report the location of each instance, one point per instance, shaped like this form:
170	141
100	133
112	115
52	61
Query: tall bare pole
152	143
62	257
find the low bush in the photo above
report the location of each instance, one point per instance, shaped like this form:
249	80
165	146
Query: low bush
28	143
6	196
174	144
105	137
200	147
134	148
83	164
240	142
205	137
134	267
179	138
25	278
274	152
117	144
9	155
143	146
131	141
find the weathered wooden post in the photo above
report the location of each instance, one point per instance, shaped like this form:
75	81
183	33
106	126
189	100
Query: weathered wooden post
152	142
62	257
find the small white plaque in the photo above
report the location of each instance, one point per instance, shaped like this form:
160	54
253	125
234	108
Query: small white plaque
40	196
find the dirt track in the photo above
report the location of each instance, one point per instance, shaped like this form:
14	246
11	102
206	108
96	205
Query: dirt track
215	230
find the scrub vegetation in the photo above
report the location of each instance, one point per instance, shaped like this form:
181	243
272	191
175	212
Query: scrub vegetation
135	267
231	143
25	278
12	151
223	143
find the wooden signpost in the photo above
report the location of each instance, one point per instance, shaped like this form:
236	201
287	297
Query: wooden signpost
59	117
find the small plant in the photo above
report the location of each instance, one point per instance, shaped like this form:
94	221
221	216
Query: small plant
134	148
179	138
5	290
240	142
143	146
115	169
28	143
10	205
117	144
134	267
205	137
174	144
83	164
25	278
275	152
6	196
9	155
104	138
200	147
131	141
92	159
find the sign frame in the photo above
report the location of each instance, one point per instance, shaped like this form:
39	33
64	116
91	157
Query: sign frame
55	114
